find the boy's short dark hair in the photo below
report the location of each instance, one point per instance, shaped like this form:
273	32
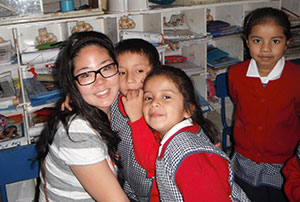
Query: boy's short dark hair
139	46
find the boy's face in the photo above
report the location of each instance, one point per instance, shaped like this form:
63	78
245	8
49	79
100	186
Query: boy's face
133	68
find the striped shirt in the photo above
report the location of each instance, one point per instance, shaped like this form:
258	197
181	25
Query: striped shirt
84	147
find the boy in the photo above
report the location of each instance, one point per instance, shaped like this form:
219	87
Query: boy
136	58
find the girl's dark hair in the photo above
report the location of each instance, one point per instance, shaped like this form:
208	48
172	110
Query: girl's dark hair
141	47
266	14
186	88
66	82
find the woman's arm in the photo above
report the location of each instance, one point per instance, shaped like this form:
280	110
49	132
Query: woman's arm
100	182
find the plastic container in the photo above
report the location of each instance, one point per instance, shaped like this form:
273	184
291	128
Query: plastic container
67	5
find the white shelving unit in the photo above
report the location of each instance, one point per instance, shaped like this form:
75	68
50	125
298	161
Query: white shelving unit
23	31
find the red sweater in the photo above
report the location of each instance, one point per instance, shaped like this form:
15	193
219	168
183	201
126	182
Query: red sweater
266	125
152	146
291	173
200	177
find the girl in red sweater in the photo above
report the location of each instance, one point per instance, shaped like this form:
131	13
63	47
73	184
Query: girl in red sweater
266	93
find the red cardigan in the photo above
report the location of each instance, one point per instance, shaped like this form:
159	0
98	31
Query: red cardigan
266	125
200	177
291	173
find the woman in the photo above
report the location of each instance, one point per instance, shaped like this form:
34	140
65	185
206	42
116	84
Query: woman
77	148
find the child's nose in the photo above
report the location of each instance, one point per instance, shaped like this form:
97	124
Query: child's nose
155	103
266	47
130	78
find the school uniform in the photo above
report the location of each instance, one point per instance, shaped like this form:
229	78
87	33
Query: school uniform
133	177
190	168
145	147
266	129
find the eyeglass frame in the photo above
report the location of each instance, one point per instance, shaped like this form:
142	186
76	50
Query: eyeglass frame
97	72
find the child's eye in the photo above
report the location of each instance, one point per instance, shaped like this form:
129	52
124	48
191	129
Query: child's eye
148	98
167	97
276	41
256	41
121	73
140	71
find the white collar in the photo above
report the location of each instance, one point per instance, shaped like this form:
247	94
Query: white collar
273	75
173	130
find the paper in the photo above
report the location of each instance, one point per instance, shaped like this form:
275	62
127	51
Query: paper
7	90
5	52
40	56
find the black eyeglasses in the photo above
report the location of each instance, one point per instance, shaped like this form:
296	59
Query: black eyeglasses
89	77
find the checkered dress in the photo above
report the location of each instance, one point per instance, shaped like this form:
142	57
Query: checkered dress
262	174
180	146
137	185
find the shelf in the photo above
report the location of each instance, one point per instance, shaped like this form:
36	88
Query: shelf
12	110
227	37
292	56
49	17
35	108
5	67
190	68
12	20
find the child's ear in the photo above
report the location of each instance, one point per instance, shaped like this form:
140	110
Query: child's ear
287	43
188	112
247	42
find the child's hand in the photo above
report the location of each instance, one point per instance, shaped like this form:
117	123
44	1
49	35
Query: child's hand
133	104
66	104
218	145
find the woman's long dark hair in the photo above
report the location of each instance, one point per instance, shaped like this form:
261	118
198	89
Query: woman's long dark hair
186	88
66	82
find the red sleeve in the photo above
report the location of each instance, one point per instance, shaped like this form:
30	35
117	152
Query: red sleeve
291	173
145	146
204	177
